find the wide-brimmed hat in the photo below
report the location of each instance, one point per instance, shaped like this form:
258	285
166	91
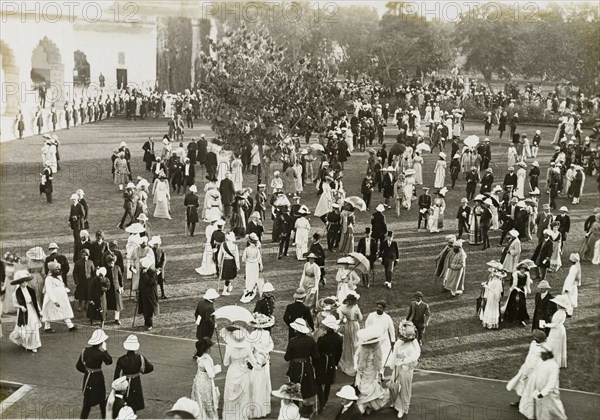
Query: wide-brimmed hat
300	293
479	197
147	261
142	217
443	191
544	285
514	233
370	335
303	210
300	325
442	155
574	257
563	208
98	337
155	240
562	300
131	343
21	276
120	384
494	264
289	391
185	408
36	253
253	238
407	330
262	321
236	338
380	208
311	255
450	238
52	245
331	322
348	393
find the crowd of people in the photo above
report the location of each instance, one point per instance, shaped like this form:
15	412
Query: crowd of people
326	334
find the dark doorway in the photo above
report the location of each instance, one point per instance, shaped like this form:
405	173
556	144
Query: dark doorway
121	78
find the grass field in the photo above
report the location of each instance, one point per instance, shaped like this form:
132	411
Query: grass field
455	340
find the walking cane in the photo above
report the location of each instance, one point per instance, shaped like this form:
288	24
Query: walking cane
218	343
137	306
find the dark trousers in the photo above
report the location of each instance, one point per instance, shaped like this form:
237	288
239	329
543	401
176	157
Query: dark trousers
485	236
543	271
323	394
190	123
420	327
191	228
148	320
333	239
128	212
284	244
471	192
367	198
85	410
49	197
388	265
226	210
161	283
423	217
462	227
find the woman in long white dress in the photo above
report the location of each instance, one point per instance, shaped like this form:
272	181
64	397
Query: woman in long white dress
208	268
405	358
223	165
204	390
409	187
369	363
253	259
162	197
350	318
325	201
440	171
418	167
490	315
521	176
298	187
311	276
557	338
345	278
302	233
236	392
236	172
213	207
260	377
556	258
436	220
572	282
35	265
28	324
512	156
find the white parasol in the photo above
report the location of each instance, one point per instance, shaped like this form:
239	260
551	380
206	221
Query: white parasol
471	141
234	313
423	147
317	146
356	202
135	228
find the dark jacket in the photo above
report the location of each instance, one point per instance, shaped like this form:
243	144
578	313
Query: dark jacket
544	309
302	354
329	347
133	365
92	358
148	294
543	253
227	191
22	317
205	310
389	251
352	413
362	247
294	311
378	225
191	204
62	260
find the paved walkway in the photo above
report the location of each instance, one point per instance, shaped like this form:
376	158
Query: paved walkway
56	383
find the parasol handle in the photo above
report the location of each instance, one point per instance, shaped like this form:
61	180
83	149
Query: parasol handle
218	343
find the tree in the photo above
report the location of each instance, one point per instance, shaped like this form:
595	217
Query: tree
251	88
489	43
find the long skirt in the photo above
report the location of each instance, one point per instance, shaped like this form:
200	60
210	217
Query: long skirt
516	307
349	347
236	393
557	341
260	390
229	270
208	267
401	400
346	243
372	394
252	273
555	259
206	394
161	210
28	335
475	237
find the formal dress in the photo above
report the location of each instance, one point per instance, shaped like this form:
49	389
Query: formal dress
204	390
557	339
404	358
350	317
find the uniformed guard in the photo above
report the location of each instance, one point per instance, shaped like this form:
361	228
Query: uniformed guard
302	354
132	365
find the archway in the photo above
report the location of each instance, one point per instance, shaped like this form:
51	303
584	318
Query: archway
47	69
9	87
81	71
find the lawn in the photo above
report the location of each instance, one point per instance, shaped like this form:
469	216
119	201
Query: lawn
455	340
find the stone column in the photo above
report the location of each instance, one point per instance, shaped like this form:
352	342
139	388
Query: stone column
196	48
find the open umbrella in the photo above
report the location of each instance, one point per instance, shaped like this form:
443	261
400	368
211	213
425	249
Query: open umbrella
471	141
317	146
356	202
492	199
362	264
423	147
234	313
135	228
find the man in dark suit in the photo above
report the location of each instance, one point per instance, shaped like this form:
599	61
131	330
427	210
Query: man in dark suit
128	206
296	310
389	255
333	222
210	162
388	185
205	320
160	261
287	225
157	167
543	253
368	247
543	221
56	257
227	191
349	409
98	248
509	215
329	347
472	179
216	240
378	224
302	354
189	173
510	179
565	222
76	217
544	308
114	251
424	206
419	314
486	181
462	216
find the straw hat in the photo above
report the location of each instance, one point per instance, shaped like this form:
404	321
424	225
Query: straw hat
193	189
36	253
544	285
562	300
289	391
370	335
52	246
303	210
442	155
210	294
311	255
348	393
563	208
300	293
300	325
131	343
98	337
142	217
21	276
146	262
